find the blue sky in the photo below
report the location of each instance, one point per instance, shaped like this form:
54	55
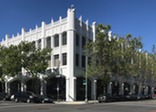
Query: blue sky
136	17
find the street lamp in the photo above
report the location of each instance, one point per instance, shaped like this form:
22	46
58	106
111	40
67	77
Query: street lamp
86	78
58	85
57	70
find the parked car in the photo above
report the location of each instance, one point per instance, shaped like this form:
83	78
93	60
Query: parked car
120	97
133	97
4	96
46	99
27	97
106	98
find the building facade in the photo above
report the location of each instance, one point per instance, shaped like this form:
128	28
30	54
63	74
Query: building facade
66	37
65	75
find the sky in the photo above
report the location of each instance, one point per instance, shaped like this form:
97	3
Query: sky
136	17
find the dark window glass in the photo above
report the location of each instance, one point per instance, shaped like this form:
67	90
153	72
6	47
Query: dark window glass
33	43
64	59
56	41
77	40
83	61
77	60
83	41
39	44
48	42
64	38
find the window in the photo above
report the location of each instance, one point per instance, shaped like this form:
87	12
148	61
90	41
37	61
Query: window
64	59
83	61
77	40
48	42
77	60
39	44
64	38
56	60
33	43
56	40
83	41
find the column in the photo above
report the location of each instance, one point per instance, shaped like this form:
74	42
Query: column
109	88
131	88
23	86
121	91
60	41
60	48
140	89
43	35
80	42
23	34
94	30
7	40
71	90
93	89
6	87
43	91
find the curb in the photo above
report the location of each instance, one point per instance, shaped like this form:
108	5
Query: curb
76	102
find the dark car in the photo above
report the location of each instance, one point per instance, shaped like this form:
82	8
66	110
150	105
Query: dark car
132	97
46	99
120	97
27	97
106	98
4	96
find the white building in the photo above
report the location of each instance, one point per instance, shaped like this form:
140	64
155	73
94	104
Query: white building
66	37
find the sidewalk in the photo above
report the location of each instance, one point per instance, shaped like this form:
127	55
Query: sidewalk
76	102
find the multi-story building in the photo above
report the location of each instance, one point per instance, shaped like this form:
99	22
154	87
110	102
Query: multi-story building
66	37
65	75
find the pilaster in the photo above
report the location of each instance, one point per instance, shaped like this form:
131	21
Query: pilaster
23	34
71	91
43	35
7	40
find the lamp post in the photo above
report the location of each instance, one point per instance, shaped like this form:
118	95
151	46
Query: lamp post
86	78
58	77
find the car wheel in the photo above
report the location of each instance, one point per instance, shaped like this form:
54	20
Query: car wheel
4	99
42	101
28	100
100	101
16	100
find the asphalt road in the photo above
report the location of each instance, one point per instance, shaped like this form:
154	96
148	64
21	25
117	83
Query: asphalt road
141	106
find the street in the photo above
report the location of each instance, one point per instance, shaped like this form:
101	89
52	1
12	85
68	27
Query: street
139	106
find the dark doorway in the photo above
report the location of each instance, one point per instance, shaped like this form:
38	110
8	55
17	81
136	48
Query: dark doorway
34	86
115	87
15	86
56	88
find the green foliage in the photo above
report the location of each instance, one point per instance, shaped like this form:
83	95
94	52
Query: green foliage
117	55
10	60
34	60
25	55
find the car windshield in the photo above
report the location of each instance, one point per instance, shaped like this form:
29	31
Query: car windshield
31	93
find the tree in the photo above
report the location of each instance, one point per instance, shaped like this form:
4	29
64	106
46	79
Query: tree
25	55
10	60
100	67
112	55
34	60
